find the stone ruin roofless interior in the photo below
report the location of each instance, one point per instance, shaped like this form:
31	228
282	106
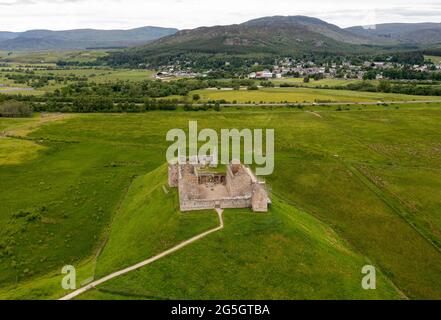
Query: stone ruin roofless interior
201	187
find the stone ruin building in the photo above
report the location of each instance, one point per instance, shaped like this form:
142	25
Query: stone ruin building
202	187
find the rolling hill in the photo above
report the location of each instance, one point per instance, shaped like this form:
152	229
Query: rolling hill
269	35
35	40
419	33
6	35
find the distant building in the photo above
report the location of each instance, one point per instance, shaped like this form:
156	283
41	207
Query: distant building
379	64
265	74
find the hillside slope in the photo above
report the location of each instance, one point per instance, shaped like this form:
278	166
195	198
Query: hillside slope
80	39
419	33
6	35
285	254
271	35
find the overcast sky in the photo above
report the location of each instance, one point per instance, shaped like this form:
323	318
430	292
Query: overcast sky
20	15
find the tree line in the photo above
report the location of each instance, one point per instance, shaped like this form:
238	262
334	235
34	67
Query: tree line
15	109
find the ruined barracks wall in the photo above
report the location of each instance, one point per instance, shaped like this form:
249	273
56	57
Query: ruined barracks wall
242	186
173	175
259	200
188	183
238	181
204	204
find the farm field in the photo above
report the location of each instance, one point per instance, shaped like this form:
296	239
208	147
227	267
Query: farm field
98	75
434	59
49	57
43	64
103	74
321	83
89	190
300	95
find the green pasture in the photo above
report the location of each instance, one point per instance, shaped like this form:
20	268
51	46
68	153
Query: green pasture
350	187
49	57
434	59
301	95
285	254
98	75
321	83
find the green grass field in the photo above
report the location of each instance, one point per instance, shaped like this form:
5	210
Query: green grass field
285	254
320	83
300	95
42	63
50	58
103	74
98	75
350	188
434	59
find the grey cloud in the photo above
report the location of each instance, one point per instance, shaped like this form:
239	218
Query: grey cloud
432	11
17	2
34	2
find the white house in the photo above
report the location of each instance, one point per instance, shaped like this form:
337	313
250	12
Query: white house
265	74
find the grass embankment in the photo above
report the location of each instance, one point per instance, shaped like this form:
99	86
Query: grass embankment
56	207
146	223
149	222
285	254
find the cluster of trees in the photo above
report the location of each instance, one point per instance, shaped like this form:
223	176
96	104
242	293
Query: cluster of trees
129	90
29	79
37	81
403	73
104	104
15	109
93	63
198	61
391	87
205	107
136	92
405	57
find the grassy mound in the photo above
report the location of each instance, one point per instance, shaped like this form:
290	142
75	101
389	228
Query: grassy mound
285	254
146	223
149	222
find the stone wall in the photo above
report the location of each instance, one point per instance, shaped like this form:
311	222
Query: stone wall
188	184
173	175
238	181
259	200
203	204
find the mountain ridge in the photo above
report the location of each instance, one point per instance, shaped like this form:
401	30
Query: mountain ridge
419	33
276	35
266	35
42	39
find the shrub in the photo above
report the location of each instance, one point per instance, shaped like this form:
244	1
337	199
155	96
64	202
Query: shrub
15	109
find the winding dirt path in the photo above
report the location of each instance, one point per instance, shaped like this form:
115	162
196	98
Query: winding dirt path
315	114
146	262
